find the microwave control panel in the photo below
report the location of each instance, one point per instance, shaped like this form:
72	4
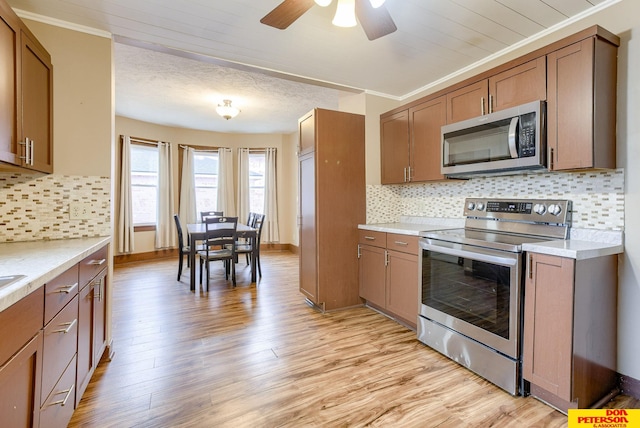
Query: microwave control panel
527	135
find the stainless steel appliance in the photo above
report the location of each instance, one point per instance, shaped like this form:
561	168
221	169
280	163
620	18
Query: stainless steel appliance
500	142
472	283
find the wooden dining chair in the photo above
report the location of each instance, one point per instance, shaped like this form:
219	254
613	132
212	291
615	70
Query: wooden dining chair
205	214
183	250
247	247
219	245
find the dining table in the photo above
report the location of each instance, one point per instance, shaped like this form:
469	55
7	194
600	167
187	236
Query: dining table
197	233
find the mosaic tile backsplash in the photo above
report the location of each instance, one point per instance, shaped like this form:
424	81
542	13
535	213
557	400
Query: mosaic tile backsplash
597	196
34	207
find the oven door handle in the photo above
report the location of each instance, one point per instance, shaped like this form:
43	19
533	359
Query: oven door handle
478	254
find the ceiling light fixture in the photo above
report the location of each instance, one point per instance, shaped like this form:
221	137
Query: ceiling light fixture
227	110
323	3
345	14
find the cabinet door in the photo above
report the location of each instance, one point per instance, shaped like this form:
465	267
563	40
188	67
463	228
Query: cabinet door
371	270
402	286
519	85
394	150
307	133
307	226
20	379
85	341
36	104
468	102
9	34
548	324
425	121
570	106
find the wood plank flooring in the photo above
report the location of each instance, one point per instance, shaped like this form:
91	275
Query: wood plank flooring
258	356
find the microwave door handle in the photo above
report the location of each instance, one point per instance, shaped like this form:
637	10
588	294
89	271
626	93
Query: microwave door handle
513	133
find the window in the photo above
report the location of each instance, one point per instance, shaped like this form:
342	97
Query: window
205	168
256	182
144	184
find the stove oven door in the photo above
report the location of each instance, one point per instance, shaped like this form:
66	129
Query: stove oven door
474	291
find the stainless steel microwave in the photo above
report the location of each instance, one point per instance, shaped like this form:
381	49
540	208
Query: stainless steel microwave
505	141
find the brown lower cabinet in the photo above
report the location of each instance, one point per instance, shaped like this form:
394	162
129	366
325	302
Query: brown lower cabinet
52	341
570	342
388	274
21	361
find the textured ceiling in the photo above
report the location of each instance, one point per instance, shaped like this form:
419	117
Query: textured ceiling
434	39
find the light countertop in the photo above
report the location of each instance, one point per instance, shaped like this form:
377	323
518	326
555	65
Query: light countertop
40	261
601	244
414	225
575	249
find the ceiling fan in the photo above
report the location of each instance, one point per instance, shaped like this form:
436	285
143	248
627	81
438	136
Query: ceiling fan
372	15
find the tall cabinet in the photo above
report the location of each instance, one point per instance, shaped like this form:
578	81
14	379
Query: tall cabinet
332	198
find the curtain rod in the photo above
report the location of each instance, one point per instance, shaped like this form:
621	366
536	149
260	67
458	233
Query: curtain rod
143	141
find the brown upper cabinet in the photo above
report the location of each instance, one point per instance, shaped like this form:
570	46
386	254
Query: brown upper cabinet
425	121
26	97
581	108
577	78
394	153
411	143
518	85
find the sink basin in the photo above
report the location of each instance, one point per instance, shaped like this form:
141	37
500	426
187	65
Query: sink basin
9	279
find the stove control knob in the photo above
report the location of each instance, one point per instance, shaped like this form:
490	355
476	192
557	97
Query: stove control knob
555	209
480	206
539	209
471	206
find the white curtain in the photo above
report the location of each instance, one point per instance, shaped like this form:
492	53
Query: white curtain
243	184
226	198
165	226
188	210
125	213
270	228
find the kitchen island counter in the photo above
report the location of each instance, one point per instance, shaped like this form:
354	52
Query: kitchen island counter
39	262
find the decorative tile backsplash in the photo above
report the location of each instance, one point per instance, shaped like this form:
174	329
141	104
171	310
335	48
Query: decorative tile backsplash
597	196
34	207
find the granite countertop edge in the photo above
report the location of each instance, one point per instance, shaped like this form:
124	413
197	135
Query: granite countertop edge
41	261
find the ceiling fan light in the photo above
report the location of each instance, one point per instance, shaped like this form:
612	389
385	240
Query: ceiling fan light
226	110
323	3
376	3
345	14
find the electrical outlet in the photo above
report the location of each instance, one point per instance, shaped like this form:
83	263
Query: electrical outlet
80	210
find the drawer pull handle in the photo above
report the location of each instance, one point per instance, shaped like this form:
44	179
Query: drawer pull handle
97	262
401	243
66	397
66	288
69	327
370	238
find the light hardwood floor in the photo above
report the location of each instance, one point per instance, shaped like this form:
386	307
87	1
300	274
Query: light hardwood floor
258	356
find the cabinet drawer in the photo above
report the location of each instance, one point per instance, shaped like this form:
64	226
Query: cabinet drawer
370	237
57	409
60	343
59	291
20	322
92	265
402	243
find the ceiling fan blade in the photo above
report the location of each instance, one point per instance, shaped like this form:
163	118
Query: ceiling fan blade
286	13
376	22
